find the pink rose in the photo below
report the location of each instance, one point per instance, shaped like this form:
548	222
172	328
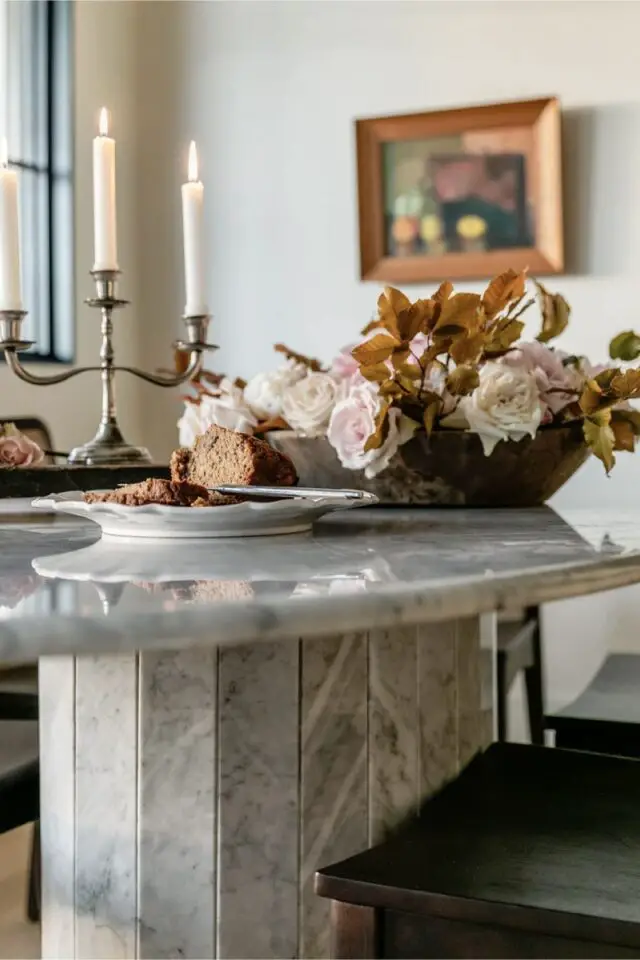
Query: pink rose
344	366
16	450
558	384
352	423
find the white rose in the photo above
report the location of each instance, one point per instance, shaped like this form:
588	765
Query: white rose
352	423
504	406
265	391
226	409
308	404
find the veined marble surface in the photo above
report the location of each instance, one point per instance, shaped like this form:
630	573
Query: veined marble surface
62	590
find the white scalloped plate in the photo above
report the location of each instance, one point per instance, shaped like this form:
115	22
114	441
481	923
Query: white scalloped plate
248	519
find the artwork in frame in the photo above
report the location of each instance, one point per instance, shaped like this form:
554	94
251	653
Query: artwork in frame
461	193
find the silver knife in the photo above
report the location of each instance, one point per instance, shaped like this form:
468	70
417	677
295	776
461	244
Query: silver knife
281	493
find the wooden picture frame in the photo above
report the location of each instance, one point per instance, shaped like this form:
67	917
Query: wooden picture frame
521	140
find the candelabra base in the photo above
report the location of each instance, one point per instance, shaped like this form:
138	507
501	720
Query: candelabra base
109	447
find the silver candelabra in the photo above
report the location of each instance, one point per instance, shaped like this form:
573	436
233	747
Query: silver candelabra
108	447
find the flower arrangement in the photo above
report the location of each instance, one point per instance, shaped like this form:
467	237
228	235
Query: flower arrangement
16	449
453	361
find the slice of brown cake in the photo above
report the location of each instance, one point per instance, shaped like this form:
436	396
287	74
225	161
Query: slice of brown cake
221	456
169	493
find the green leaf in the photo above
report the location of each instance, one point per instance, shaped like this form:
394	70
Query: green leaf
626	346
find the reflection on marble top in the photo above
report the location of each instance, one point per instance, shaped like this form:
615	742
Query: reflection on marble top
62	589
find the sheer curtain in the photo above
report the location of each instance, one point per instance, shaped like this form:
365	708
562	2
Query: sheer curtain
36	118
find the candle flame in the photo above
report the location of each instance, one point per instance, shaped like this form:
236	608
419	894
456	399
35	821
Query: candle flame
4	152
103	123
193	162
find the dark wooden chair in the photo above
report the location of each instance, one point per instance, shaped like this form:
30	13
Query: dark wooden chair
530	852
605	718
20	767
520	650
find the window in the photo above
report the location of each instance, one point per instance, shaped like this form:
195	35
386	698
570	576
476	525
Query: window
36	113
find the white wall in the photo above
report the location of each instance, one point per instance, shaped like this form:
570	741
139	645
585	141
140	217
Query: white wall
270	89
105	58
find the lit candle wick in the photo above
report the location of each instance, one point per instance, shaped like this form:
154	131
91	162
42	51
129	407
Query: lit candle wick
103	123
193	163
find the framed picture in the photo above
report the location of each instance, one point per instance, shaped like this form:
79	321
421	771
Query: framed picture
461	193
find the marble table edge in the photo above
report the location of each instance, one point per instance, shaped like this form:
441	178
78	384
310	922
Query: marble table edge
286	618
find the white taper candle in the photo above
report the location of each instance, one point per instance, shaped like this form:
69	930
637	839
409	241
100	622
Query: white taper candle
10	284
192	208
104	197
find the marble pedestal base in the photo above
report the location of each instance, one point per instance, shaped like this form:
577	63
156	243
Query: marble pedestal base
188	798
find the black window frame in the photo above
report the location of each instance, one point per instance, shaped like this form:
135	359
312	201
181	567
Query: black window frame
59	127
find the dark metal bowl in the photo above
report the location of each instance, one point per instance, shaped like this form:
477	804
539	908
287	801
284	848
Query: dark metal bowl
450	469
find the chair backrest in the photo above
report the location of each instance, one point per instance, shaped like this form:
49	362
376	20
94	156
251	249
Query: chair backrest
36	430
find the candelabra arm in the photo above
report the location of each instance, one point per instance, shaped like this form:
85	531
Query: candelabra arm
15	365
160	380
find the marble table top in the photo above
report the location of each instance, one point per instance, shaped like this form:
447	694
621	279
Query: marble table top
63	590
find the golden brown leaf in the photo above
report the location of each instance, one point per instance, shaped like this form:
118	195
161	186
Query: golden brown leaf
377	372
626	386
503	335
408	384
375	324
468	349
387	317
459	313
502	290
624	434
429	415
408	369
600	437
273	423
591	397
418	319
443	292
555	313
310	362
378	437
429	311
376	350
608	389
400	356
464	379
390	389
630	416
397	300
